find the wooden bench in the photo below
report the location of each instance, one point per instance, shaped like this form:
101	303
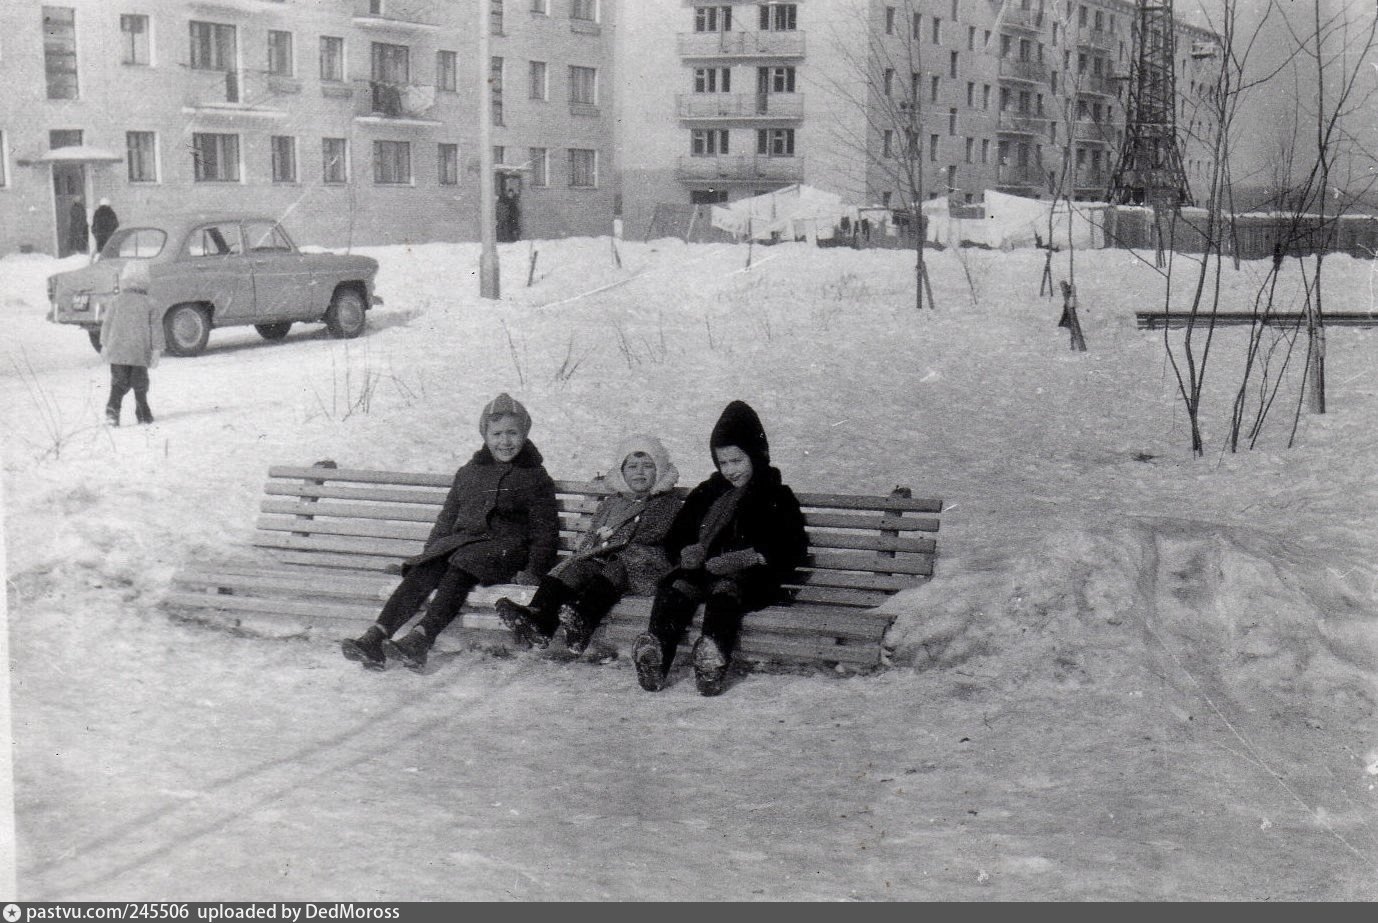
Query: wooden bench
326	537
1153	320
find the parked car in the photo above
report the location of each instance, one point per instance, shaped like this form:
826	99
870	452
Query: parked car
222	271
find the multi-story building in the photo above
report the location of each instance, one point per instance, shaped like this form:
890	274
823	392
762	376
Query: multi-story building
984	94
354	120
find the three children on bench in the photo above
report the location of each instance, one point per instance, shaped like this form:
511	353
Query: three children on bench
730	546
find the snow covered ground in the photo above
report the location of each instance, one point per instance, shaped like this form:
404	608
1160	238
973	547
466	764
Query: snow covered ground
1135	675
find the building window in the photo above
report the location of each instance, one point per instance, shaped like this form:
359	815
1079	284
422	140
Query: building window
712	80
937	31
887	141
952	121
889	20
970	150
212	46
583	168
334	160
280	53
495	17
495	88
933	147
971	38
215	158
539	80
446	70
889	80
332	58
141	156
583	86
985	150
541	6
586	10
64	137
540	166
954	10
775	142
952	64
916	27
933	89
1005	44
392	163
133	39
971	94
781	80
284	158
447	164
708	142
60	51
951	178
985	96
390	64
779	17
713	19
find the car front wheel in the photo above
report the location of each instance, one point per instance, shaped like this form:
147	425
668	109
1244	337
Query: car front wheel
273	331
187	328
345	317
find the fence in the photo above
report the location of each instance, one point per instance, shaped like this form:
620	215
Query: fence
1255	237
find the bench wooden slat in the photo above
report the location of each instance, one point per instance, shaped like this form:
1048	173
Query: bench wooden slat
840	560
309	608
869	523
393	548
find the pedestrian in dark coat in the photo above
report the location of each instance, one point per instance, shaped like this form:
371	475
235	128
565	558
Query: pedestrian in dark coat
499	525
104	222
131	340
78	231
622	552
737	540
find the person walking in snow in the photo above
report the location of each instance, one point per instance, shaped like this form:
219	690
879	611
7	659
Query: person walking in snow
131	340
622	552
738	538
104	222
499	525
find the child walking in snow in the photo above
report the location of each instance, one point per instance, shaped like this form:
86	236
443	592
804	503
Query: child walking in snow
737	539
622	552
131	340
498	525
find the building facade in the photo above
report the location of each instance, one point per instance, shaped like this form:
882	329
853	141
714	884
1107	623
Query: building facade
355	121
851	95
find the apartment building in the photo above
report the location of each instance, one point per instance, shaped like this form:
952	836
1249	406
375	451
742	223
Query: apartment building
991	94
356	121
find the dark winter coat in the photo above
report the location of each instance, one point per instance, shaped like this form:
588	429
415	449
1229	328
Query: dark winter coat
627	536
767	519
498	519
103	223
131	332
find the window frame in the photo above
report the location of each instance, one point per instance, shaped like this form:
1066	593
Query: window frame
446	70
574	172
447	163
283	156
151	154
235	164
381	165
280	64
538	89
332	41
129	50
327	178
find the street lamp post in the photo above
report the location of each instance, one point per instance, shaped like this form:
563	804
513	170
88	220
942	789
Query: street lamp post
488	284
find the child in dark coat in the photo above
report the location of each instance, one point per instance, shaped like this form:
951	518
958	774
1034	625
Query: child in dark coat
499	525
622	552
738	538
131	340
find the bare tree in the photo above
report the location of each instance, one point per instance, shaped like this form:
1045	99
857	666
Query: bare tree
882	77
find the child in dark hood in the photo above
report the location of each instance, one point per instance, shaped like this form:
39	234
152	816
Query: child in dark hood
738	538
498	525
131	340
622	552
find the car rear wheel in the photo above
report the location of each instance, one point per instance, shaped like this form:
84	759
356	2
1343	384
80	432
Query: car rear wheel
345	317
94	334
187	328
273	331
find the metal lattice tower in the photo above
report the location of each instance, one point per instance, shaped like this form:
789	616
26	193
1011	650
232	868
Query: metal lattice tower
1149	170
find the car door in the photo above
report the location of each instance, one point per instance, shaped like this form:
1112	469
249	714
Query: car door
283	286
211	267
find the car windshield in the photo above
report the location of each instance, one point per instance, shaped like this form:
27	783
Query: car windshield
134	244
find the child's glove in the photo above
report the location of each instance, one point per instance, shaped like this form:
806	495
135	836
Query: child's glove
734	561
691	557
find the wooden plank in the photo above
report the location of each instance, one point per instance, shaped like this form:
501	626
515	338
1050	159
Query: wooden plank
886	583
832	596
867	523
373	546
1153	320
372	494
841	560
339	560
877	504
370	528
822	538
299	608
361	476
285	584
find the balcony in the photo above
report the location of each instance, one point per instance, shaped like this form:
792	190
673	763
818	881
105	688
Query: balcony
1097	180
750	106
1096	132
1097	39
232	7
1027	20
1021	124
1026	177
400	23
740	44
740	168
1096	86
383	103
229	95
1029	71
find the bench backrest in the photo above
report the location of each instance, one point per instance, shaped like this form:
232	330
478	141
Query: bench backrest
862	549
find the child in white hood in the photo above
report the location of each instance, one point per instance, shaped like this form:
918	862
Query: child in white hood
622	552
